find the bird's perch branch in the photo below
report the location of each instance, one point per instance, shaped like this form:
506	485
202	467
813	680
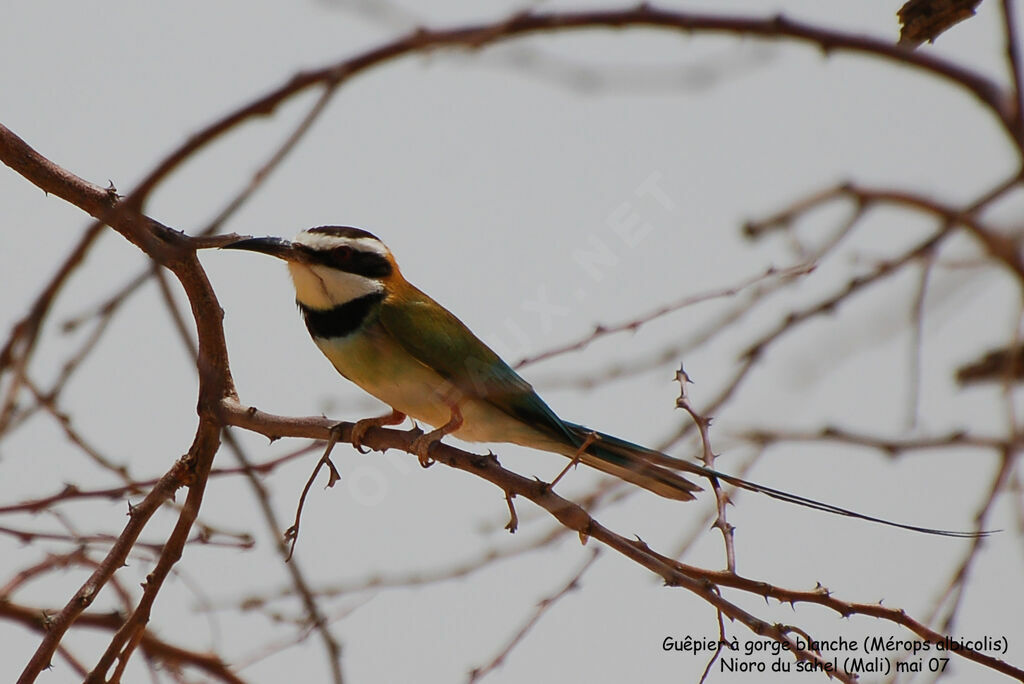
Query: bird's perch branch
217	402
705	583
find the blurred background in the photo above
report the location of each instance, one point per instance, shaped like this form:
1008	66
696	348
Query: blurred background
502	179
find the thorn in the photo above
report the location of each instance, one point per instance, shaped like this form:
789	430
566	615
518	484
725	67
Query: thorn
513	520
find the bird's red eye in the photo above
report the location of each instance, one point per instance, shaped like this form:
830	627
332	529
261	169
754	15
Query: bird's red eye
341	254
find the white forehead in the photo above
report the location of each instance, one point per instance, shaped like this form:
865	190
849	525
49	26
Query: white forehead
323	241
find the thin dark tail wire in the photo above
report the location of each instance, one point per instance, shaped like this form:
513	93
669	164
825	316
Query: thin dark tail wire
835	510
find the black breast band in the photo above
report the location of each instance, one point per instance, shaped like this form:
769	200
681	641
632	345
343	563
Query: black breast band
342	319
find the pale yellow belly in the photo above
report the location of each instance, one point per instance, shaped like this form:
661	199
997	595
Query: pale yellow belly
381	367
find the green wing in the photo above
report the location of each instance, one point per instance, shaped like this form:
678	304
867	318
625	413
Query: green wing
439	340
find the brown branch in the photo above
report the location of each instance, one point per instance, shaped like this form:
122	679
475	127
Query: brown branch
1001	248
917	341
196	466
671	353
987	91
704	583
958	582
1013	57
478	673
700	525
793	320
48	404
114	301
168	248
216	392
416	578
708	457
104	540
923	20
72	492
51	563
21	342
634	324
722	641
314	615
887	445
162	651
1005	448
113	561
292	533
925	249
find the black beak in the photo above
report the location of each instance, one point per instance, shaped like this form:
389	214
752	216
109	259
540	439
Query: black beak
282	249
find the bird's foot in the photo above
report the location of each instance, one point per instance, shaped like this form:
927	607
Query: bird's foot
590	439
421	446
361	426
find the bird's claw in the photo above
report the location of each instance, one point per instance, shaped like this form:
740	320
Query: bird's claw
359	431
421	447
336	432
361	426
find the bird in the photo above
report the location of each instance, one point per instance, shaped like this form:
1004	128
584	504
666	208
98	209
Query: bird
394	341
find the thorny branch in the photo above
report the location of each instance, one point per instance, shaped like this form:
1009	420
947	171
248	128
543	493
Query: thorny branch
478	673
703	424
218	404
704	583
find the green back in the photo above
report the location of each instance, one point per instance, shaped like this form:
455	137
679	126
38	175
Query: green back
439	340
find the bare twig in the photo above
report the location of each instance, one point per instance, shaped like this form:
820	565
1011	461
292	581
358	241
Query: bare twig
292	533
701	582
708	457
1013	57
478	673
600	330
150	644
217	403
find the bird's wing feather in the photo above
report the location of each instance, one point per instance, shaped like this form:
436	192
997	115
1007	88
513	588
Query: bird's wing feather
443	343
440	341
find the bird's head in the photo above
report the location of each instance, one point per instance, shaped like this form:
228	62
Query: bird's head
331	265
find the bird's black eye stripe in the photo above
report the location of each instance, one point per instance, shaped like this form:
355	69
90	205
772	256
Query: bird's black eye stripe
351	260
341	255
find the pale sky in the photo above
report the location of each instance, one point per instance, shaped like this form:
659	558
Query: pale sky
488	179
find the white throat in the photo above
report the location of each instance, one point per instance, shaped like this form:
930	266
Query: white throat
320	287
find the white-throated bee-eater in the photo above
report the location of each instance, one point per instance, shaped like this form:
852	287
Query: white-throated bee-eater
398	344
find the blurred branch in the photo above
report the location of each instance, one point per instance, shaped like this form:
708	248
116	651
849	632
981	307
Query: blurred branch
417	578
162	651
73	492
217	403
704	583
995	365
21	342
314	615
1001	248
783	275
165	246
925	20
478	673
886	445
957	586
1013	57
